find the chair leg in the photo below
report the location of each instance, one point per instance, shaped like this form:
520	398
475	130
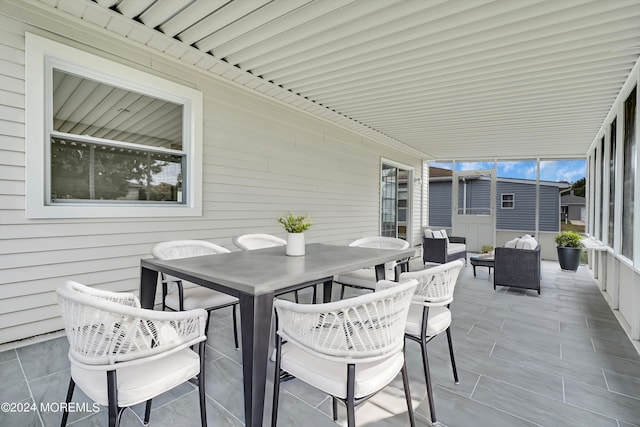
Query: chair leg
351	395
453	359
276	383
342	291
65	414
296	297
315	294
235	326
201	384
407	394
427	377
112	394
147	412
335	408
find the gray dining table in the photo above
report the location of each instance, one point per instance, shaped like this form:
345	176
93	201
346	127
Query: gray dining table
254	277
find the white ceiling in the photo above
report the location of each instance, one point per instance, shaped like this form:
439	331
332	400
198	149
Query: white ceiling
464	79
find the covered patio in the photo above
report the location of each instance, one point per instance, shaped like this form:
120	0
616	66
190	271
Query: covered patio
236	112
560	359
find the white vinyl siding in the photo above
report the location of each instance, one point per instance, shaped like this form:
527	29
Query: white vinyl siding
260	160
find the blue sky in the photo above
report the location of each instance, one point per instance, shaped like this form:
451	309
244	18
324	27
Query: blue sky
550	170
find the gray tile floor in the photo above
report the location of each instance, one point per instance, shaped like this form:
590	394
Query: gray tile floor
559	359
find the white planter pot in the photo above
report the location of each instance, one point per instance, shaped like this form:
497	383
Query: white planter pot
295	244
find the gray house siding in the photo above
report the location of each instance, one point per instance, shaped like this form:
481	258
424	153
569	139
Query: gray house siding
521	217
440	204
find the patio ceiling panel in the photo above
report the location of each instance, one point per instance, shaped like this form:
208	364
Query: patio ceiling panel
441	79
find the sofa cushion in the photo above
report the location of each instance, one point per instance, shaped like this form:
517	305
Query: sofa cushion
454	248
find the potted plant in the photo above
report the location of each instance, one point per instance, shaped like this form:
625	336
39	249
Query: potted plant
569	249
486	250
295	227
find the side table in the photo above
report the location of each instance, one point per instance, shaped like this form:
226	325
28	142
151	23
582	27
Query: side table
482	261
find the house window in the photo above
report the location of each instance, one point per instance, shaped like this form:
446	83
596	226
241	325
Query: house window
612	180
110	140
628	174
508	200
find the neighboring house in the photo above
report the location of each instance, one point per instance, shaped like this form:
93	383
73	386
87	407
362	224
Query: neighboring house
574	208
515	201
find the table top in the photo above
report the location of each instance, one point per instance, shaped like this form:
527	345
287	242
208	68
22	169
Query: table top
486	257
268	270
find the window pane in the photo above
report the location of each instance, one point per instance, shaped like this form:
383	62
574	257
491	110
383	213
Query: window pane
600	207
82	106
612	180
85	171
629	174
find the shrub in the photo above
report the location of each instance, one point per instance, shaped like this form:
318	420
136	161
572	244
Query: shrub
569	239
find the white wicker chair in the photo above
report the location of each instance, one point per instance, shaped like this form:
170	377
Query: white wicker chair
349	349
250	242
179	295
365	278
429	314
144	353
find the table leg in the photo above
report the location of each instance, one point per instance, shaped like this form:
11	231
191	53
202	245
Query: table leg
474	270
380	273
255	312
327	289
148	283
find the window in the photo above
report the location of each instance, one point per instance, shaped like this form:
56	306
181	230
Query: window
628	174
508	200
612	180
106	140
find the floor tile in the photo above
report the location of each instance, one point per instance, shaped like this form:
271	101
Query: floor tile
595	399
44	358
535	407
623	384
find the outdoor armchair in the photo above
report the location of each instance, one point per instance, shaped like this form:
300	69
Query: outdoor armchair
122	355
349	349
179	295
517	267
365	278
429	315
438	247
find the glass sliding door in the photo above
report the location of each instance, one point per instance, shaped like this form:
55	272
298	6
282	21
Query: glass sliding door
394	206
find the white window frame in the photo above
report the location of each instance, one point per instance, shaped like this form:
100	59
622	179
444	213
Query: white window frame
512	201
41	55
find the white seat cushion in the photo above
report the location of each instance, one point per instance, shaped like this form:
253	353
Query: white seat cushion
139	383
439	320
331	377
199	297
454	248
365	277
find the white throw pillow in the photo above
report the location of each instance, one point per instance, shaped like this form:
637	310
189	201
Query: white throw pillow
511	243
526	243
444	234
428	233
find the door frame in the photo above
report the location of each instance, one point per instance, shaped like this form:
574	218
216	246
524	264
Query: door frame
456	220
410	170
